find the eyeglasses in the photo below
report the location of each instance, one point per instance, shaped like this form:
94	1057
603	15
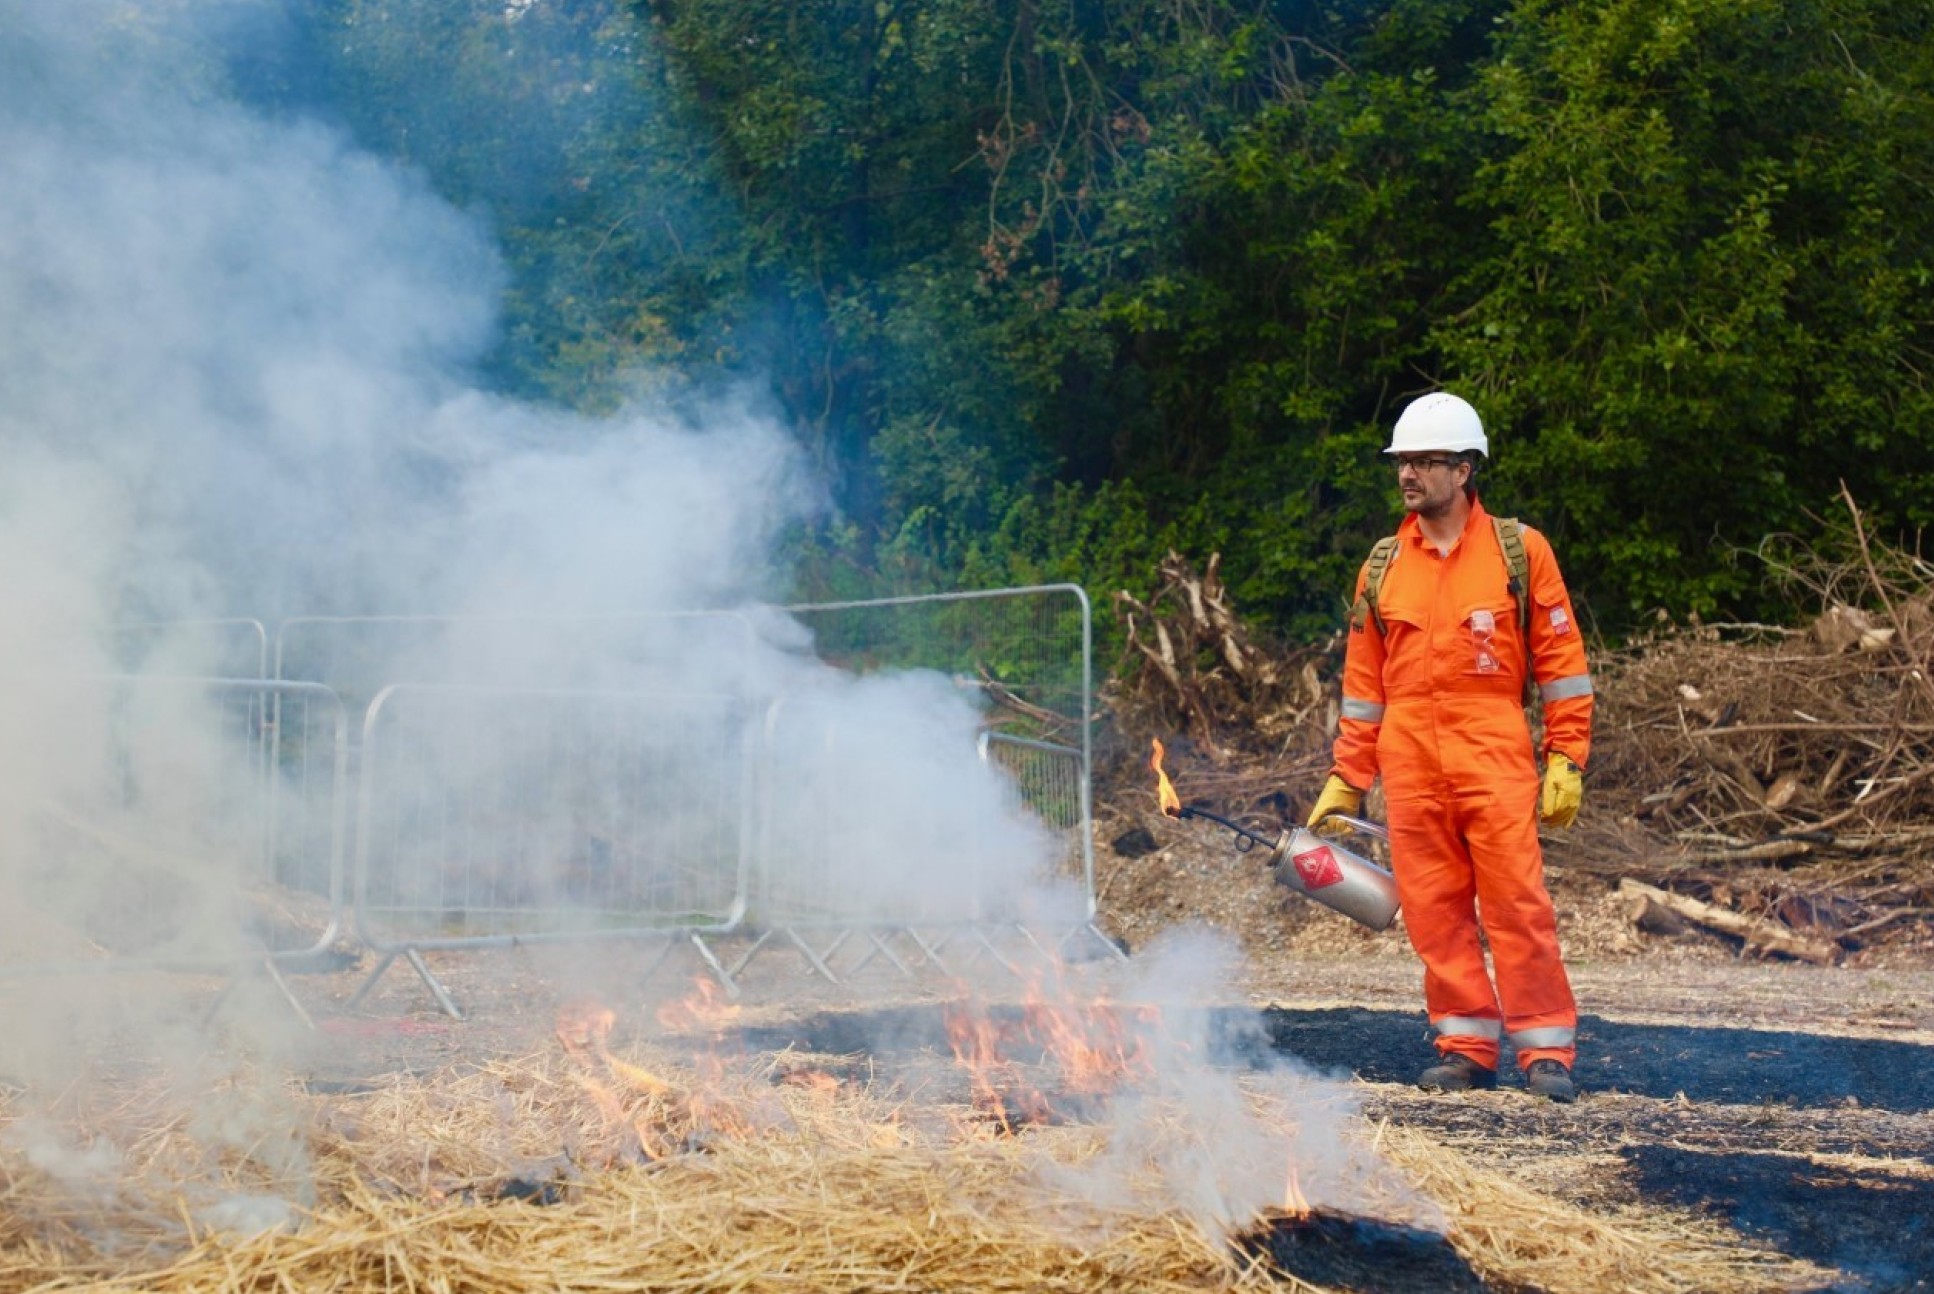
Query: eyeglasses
1424	462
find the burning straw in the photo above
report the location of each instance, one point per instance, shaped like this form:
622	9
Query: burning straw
480	1177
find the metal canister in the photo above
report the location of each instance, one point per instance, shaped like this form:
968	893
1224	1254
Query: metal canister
1320	868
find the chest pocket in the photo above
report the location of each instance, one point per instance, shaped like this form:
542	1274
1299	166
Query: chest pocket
1407	661
1487	640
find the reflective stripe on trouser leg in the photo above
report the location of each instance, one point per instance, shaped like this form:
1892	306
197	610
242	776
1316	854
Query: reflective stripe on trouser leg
1551	1037
1532	987
1435	887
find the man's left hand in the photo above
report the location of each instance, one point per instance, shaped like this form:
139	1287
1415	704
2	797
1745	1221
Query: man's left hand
1564	791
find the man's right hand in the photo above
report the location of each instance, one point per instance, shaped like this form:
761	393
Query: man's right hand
1338	796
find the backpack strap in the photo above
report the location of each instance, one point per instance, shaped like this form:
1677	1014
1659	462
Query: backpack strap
1366	608
1517	566
1518	571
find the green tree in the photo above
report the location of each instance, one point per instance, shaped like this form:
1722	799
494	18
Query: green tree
1048	289
1707	299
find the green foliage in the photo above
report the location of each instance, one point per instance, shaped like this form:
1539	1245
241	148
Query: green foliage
1048	290
1698	313
566	124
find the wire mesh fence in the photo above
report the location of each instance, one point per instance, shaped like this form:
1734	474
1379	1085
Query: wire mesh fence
536	778
1027	656
359	656
157	836
488	814
1027	651
235	647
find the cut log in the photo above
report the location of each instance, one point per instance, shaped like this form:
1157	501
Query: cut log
1645	903
1767	851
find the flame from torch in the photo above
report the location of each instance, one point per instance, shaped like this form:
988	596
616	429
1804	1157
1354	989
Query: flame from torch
1165	789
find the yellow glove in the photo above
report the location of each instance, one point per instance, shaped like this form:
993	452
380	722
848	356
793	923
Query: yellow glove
1564	790
1338	796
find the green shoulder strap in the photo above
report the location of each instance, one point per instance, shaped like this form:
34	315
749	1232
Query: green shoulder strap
1518	567
1365	609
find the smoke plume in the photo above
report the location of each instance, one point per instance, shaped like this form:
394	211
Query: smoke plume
239	361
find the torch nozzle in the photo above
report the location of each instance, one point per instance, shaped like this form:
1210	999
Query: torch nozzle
1246	839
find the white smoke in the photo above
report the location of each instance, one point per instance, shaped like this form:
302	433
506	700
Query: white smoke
1219	1137
236	380
237	356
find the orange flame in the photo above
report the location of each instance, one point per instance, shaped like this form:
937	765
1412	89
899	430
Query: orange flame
638	1077
705	1007
1093	1048
582	1028
816	1081
1165	789
992	1077
630	1097
1295	1203
1090	1044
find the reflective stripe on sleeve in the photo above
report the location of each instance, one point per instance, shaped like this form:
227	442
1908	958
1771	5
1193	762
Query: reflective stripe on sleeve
1554	1036
1561	689
1367	711
1464	1026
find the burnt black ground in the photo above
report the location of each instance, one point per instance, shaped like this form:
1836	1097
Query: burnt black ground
1704	1065
1816	1146
1707	1064
1363	1255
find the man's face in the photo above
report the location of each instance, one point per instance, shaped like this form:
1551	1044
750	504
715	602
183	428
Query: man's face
1431	483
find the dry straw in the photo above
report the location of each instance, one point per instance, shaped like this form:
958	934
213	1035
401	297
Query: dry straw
822	1185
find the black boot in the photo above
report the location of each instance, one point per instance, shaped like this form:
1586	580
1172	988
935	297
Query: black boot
1551	1080
1457	1072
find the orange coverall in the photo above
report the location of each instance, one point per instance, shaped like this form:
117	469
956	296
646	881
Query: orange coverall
1439	713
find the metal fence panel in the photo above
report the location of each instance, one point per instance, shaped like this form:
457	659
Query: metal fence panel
946	844
218	648
1051	782
1026	652
488	814
160	844
359	656
310	795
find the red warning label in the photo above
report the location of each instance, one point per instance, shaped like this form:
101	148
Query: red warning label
1317	867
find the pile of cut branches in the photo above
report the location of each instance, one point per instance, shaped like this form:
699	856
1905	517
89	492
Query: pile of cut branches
1793	769
1192	665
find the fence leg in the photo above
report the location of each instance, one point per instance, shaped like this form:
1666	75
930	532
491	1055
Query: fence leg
806	951
288	995
879	949
1113	947
234	981
369	982
930	951
745	958
704	951
887	951
995	953
664	951
436	989
1049	957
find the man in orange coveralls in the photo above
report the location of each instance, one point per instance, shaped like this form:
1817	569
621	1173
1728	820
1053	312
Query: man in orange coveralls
1433	700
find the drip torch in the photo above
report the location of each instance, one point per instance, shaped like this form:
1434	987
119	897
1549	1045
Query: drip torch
1314	866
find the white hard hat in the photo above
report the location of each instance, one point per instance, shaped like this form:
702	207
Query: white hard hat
1438	421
